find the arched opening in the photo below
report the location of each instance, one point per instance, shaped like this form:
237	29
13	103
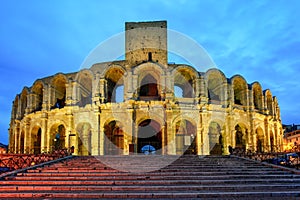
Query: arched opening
149	133
57	137
114	79
215	139
36	135
259	140
185	138
114	138
37	100
269	101
239	91
149	89
84	134
216	88
257	96
59	87
184	79
84	88
23	99
240	137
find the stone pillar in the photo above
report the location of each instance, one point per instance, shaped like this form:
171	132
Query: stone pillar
163	140
70	95
102	88
101	136
135	84
27	139
199	142
254	139
233	133
206	147
16	135
171	135
44	136
95	140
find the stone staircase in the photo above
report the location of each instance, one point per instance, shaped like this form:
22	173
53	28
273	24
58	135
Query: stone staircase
136	177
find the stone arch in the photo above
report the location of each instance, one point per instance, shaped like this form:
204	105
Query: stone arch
84	80
149	83
37	91
257	96
57	136
269	101
84	138
58	83
185	78
149	133
185	136
215	138
36	137
241	134
23	101
216	83
114	77
239	88
114	138
260	140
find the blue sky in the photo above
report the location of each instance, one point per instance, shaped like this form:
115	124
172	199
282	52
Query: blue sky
258	39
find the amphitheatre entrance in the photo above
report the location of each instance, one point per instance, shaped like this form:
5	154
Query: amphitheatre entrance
149	137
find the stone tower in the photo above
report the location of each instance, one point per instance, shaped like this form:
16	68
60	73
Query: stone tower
146	41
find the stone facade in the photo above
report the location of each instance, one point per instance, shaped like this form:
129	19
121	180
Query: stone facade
119	107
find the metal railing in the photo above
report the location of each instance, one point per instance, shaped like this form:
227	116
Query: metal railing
10	162
289	159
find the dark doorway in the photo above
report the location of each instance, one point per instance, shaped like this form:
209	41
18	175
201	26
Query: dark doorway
37	142
149	133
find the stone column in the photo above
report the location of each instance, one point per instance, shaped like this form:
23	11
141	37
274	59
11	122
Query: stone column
199	142
27	139
16	138
101	136
254	139
102	89
206	147
233	133
95	140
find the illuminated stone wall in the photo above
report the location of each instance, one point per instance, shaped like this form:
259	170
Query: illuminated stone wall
119	107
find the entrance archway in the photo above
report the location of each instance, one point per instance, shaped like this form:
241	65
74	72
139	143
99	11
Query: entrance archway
149	133
114	138
36	135
84	139
215	139
57	137
259	140
240	137
185	138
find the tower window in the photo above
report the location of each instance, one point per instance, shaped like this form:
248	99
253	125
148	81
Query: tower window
149	56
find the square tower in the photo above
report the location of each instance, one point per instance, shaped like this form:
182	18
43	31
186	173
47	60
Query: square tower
146	41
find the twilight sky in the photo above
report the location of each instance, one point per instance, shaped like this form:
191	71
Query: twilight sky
259	40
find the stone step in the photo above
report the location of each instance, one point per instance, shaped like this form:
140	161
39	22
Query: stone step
154	188
150	177
94	174
162	195
149	182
